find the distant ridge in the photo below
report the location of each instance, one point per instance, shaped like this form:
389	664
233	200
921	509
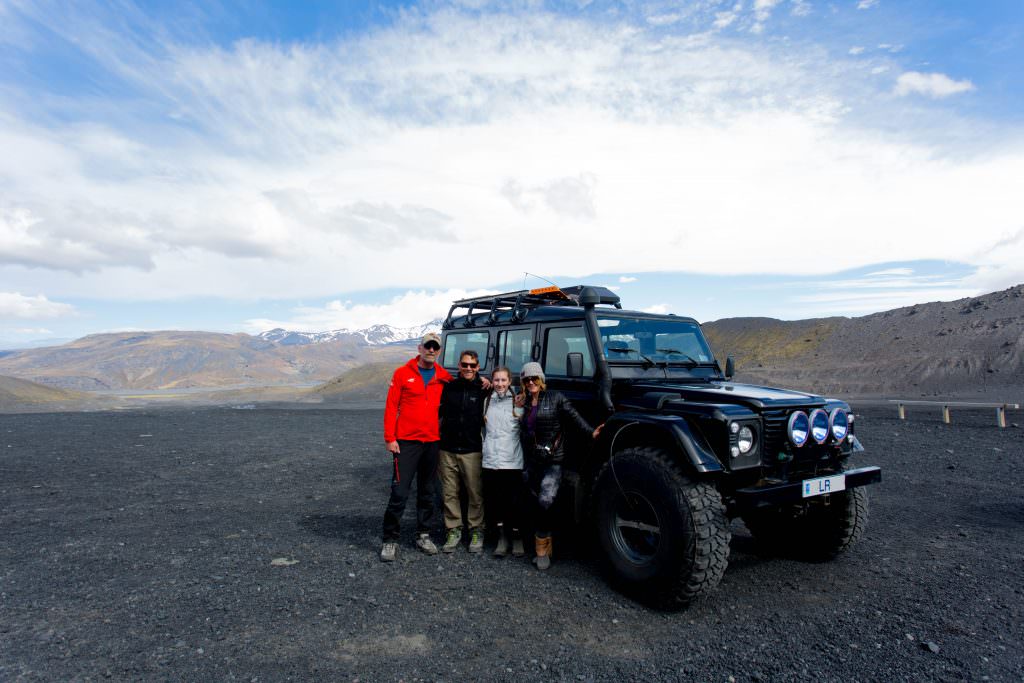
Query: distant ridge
968	347
375	335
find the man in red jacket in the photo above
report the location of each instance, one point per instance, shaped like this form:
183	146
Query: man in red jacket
412	437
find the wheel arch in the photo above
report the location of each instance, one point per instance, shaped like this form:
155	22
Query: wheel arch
670	433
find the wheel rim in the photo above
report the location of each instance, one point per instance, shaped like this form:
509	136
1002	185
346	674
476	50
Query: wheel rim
635	528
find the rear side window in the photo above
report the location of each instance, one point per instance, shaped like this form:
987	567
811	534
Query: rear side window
457	342
514	348
562	341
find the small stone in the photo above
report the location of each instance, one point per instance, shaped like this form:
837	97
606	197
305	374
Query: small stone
282	562
931	647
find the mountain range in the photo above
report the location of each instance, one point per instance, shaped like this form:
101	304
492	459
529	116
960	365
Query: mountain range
966	348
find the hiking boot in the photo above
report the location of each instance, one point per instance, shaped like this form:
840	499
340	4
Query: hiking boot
476	540
517	547
543	547
426	545
388	551
451	541
501	550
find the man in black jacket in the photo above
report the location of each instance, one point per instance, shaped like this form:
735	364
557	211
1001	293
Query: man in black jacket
462	421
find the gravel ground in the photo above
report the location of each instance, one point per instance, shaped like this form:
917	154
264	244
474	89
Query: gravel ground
142	545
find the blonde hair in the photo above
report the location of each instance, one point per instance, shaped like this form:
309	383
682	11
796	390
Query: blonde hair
508	373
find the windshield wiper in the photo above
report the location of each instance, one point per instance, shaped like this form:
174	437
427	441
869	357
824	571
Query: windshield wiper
688	357
647	362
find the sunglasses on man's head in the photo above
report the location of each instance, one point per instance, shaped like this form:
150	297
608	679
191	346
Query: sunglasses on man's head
468	365
433	346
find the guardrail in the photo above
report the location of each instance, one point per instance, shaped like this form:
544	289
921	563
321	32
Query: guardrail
946	405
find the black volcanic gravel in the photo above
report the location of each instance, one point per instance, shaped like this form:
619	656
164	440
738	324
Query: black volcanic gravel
139	546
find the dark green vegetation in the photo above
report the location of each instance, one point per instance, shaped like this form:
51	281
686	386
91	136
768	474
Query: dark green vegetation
140	546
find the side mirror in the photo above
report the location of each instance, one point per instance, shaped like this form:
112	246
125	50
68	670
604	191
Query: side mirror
574	364
730	367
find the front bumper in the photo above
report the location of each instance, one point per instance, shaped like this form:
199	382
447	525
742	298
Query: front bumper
792	492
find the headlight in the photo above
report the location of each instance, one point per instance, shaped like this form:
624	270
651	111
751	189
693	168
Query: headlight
839	424
798	428
745	439
819	425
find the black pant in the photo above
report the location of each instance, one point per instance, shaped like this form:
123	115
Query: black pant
503	498
417	459
542	483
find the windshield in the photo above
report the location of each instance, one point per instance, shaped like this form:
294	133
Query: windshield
653	340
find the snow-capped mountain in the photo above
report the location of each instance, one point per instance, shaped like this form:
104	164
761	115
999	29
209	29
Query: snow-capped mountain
376	335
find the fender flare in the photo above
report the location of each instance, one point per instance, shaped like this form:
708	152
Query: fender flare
693	449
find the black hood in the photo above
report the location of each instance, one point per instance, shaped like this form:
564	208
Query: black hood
749	395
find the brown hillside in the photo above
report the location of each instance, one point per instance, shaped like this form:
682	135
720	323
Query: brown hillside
365	383
177	360
969	347
18	393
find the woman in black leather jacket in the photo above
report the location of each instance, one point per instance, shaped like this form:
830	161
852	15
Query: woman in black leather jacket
546	416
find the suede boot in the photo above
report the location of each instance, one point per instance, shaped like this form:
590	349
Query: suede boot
543	547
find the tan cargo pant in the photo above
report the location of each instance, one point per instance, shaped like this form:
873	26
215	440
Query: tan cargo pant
465	468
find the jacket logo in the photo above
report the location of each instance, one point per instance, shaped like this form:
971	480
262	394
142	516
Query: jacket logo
411	379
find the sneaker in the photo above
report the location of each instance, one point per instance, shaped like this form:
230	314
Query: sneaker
476	540
451	541
426	545
388	551
517	547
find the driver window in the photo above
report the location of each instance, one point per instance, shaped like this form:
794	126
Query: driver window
562	341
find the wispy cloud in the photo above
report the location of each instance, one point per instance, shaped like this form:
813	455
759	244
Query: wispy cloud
623	279
867	4
404	310
931	84
434	148
17	305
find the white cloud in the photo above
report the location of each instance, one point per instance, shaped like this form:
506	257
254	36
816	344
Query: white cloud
856	50
437	151
660	309
889	272
801	8
762	12
17	305
626	278
933	85
867	4
405	310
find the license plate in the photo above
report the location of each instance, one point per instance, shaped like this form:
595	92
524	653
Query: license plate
823	485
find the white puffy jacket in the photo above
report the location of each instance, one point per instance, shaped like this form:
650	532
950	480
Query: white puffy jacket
502	448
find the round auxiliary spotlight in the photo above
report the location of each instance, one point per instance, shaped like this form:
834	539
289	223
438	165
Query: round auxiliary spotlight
819	425
798	428
839	424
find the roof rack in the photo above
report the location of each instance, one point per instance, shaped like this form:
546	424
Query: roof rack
524	300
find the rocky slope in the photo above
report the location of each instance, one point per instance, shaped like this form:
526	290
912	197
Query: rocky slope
184	360
969	348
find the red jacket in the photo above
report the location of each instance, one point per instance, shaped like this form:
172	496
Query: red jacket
411	409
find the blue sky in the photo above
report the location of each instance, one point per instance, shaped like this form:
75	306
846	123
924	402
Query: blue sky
240	166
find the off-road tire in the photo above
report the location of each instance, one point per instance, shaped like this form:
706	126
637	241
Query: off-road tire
816	531
662	537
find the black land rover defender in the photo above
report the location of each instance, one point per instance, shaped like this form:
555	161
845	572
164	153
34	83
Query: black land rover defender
683	449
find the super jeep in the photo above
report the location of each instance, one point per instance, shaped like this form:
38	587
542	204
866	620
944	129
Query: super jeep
684	449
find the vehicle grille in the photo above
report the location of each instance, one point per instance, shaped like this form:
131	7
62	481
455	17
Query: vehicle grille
775	431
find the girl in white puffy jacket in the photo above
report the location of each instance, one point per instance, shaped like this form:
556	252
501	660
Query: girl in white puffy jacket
503	463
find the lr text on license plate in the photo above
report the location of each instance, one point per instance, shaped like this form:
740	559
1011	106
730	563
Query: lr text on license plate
823	485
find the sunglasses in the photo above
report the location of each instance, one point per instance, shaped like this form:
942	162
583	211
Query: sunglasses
468	365
433	346
528	380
